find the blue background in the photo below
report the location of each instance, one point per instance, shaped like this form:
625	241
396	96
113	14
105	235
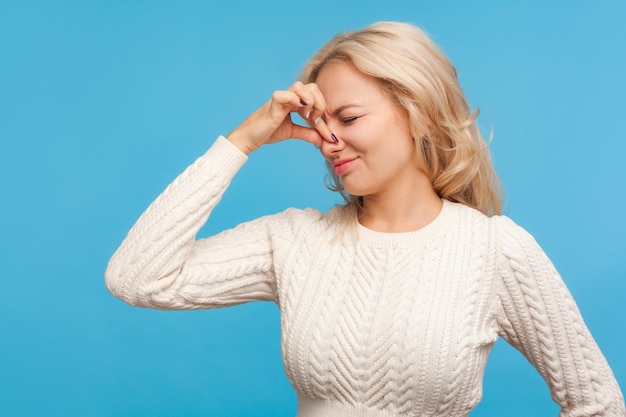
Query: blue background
103	103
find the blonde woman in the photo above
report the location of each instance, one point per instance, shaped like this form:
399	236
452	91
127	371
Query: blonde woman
391	303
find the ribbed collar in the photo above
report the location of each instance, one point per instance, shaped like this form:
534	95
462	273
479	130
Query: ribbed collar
419	237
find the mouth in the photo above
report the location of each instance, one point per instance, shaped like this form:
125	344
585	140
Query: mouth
340	166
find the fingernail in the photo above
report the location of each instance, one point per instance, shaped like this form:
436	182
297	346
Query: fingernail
332	135
303	102
307	114
317	120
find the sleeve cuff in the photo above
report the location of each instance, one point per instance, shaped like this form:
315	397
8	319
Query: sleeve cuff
226	155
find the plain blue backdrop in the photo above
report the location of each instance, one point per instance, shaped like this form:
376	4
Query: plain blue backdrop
103	103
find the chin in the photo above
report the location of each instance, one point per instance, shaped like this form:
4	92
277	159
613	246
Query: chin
355	191
357	188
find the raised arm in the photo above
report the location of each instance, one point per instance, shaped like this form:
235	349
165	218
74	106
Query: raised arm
155	264
160	264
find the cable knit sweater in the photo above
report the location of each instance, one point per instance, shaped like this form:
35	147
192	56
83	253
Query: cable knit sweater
373	324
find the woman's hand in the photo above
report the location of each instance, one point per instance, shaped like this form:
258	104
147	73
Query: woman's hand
272	123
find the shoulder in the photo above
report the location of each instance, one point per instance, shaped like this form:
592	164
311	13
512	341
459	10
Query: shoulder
468	218
500	227
312	216
298	221
512	237
306	216
518	255
508	239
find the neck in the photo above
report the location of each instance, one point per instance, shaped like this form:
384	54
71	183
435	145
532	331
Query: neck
396	212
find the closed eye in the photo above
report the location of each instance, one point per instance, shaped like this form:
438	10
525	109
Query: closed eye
349	120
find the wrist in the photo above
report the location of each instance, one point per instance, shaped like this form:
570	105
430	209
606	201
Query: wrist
240	142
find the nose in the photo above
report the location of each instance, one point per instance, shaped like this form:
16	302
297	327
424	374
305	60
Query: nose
329	149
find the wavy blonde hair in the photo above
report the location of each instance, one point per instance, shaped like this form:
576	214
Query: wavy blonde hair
416	75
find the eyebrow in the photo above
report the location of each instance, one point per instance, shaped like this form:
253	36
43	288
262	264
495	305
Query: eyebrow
339	109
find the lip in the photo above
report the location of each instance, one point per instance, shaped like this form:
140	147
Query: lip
340	166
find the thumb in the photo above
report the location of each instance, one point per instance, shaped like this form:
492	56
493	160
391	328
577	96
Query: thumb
307	134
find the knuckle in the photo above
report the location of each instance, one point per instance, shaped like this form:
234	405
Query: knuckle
313	87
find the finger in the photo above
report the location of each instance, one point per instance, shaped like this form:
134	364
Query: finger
287	98
295	99
307	100
319	103
324	131
307	134
315	118
284	102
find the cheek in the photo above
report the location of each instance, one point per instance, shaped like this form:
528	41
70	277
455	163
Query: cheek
397	154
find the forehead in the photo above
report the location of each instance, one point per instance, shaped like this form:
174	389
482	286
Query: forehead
341	83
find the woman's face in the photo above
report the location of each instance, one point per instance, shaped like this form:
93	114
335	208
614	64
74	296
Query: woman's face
375	153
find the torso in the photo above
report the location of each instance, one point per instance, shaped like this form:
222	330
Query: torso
395	322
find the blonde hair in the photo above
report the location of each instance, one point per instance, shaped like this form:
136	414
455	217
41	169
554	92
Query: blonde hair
416	75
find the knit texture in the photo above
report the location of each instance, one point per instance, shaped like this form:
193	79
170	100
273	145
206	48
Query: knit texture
373	324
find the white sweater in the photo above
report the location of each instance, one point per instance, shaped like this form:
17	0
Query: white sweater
373	324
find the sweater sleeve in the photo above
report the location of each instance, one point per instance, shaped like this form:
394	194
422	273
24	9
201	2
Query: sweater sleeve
539	317
160	264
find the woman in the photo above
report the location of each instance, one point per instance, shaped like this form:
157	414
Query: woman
391	303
